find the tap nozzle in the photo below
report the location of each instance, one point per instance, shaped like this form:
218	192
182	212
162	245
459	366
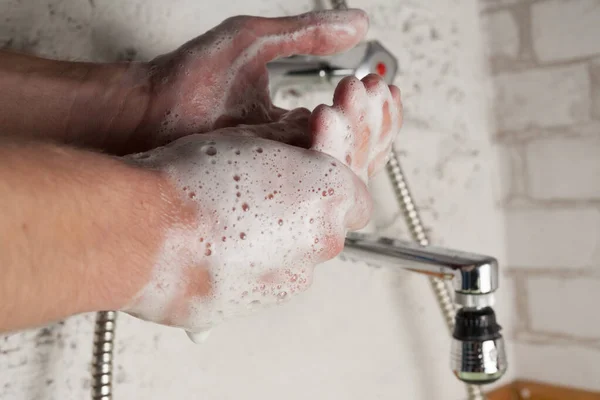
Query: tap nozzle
478	355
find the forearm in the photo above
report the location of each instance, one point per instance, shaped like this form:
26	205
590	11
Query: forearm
85	104
78	232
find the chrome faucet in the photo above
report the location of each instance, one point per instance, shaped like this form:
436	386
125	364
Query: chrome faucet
298	74
477	355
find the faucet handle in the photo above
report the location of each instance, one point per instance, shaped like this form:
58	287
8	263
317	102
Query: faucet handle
304	73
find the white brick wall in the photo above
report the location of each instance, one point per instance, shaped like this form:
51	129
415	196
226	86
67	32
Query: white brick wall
542	98
547	104
564	168
565	29
595	83
489	4
564	306
503	35
571	365
553	238
512	167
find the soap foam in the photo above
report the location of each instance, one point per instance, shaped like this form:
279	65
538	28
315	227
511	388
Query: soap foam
266	213
341	130
223	82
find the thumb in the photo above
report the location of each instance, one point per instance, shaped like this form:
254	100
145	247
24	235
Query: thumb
313	33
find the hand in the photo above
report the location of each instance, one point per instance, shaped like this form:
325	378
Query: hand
258	215
220	78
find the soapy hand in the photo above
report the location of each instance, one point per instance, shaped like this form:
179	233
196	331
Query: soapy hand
255	215
220	78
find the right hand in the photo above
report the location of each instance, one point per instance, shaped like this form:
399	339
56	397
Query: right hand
252	217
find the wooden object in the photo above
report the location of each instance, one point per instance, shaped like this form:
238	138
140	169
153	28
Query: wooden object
530	390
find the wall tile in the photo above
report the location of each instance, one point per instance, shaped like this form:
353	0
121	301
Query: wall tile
546	97
553	238
564	168
565	29
564	305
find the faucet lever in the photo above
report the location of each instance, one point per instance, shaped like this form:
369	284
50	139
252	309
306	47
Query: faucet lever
303	73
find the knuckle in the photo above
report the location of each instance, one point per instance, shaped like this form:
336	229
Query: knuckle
240	23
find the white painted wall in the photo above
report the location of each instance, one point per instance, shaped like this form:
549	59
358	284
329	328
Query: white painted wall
359	333
545	64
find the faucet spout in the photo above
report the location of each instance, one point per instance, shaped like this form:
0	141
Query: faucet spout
474	276
478	354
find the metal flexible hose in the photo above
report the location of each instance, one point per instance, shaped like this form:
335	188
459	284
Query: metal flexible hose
102	367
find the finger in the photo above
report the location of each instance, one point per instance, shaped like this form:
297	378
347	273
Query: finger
292	129
349	93
314	33
351	99
374	84
358	217
276	113
379	161
396	96
397	103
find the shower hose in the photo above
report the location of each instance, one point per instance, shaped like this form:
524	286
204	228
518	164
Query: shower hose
104	333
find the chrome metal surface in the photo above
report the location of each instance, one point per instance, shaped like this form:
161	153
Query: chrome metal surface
479	362
339	4
417	231
304	73
471	273
104	336
474	300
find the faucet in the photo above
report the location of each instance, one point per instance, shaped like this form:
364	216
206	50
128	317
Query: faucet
477	350
298	74
477	354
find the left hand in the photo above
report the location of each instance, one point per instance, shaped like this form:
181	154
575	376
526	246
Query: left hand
220	79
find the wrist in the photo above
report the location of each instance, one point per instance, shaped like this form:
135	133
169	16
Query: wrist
140	226
109	105
78	103
81	233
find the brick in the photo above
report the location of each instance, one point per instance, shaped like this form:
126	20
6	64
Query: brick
502	34
510	164
547	97
504	185
564	168
559	365
565	29
561	305
491	4
506	306
553	238
595	87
